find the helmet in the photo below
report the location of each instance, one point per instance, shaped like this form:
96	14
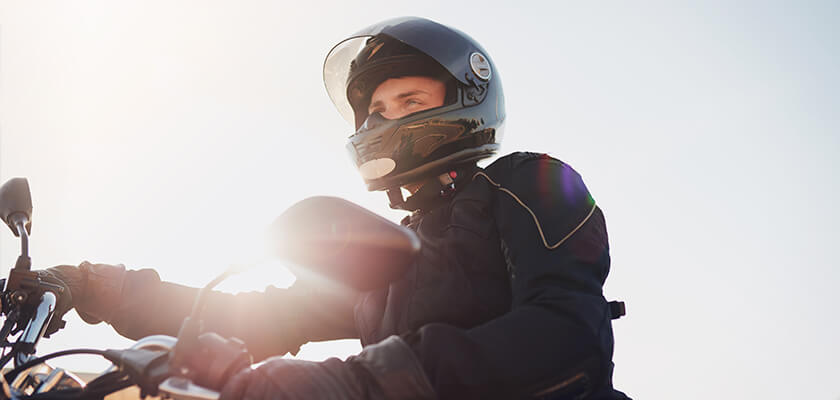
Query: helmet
394	153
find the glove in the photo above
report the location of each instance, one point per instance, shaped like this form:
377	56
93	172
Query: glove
94	290
386	370
64	299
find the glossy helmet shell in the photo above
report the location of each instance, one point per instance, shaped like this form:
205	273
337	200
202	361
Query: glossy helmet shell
393	153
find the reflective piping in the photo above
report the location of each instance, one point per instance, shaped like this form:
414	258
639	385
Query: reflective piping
534	216
575	379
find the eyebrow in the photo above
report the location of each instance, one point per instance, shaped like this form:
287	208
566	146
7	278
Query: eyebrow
400	96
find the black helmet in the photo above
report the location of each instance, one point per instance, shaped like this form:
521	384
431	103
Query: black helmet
393	153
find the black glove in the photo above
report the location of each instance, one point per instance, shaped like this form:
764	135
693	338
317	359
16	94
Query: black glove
94	290
65	276
387	370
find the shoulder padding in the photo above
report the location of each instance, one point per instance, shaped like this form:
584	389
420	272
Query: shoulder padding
543	189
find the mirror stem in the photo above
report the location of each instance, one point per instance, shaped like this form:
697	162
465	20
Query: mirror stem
24	239
23	262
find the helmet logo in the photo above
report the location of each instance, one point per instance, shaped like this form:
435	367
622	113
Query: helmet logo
480	65
375	169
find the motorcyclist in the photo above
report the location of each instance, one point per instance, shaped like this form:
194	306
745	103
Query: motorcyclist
505	300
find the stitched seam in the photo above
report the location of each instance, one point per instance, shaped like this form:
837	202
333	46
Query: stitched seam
534	216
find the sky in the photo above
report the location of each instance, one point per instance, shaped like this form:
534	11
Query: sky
169	135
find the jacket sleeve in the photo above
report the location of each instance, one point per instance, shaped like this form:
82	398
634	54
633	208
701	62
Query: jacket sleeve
271	322
557	336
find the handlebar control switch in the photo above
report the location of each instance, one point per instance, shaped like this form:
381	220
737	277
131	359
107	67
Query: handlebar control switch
25	285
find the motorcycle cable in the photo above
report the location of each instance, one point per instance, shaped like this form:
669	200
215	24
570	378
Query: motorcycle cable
98	388
192	327
10	376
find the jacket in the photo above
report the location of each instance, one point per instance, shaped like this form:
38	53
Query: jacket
504	301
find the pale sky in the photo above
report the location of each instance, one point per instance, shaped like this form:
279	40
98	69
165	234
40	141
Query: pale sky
170	134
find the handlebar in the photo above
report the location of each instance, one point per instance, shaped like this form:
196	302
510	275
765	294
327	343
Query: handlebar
35	328
28	301
131	368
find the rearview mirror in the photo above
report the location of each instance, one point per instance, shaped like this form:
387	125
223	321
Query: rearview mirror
344	241
16	204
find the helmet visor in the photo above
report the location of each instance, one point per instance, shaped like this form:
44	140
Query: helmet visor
337	72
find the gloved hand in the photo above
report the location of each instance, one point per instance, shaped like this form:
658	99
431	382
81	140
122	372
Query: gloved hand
64	301
386	370
93	289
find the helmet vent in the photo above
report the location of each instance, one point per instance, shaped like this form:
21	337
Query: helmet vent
370	146
480	66
375	144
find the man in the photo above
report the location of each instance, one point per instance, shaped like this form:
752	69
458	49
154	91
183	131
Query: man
505	300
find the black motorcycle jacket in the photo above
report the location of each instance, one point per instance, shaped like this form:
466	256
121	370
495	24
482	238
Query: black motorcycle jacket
505	300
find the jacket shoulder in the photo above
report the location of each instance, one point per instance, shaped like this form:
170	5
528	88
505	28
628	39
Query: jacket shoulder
516	159
540	173
551	191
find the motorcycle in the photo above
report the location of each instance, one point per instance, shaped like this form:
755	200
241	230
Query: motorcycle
327	235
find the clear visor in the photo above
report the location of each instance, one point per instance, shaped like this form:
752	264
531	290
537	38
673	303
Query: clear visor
337	70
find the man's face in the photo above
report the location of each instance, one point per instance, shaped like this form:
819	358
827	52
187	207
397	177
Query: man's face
398	97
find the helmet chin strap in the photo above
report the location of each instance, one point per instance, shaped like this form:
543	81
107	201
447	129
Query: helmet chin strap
431	191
